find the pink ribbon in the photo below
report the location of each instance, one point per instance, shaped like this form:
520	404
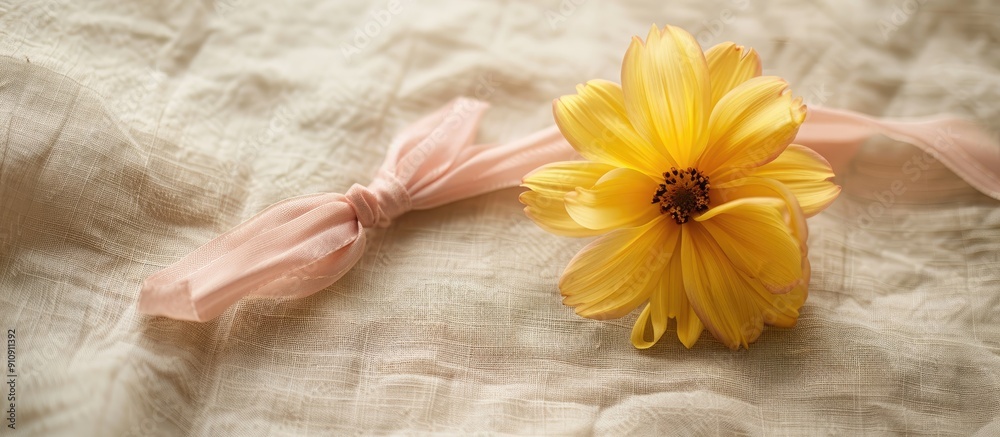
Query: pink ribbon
301	245
960	145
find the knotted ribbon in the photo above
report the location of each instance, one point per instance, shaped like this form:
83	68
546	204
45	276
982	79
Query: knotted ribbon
301	245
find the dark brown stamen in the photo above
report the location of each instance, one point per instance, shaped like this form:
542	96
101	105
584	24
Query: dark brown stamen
682	193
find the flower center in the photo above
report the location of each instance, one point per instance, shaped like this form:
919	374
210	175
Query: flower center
682	193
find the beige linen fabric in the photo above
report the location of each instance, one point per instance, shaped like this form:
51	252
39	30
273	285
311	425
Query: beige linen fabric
135	131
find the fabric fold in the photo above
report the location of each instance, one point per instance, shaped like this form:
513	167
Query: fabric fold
301	245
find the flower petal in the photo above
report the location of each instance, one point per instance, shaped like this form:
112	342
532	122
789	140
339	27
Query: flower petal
614	274
647	329
723	299
667	92
765	187
729	65
806	174
749	127
733	306
558	178
716	291
595	124
548	185
782	310
621	198
552	217
757	241
667	301
689	326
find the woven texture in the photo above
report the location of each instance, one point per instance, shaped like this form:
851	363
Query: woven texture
133	133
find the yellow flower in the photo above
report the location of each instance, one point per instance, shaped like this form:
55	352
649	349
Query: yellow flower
692	181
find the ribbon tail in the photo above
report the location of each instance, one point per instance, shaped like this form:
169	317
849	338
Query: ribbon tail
960	145
291	249
486	168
